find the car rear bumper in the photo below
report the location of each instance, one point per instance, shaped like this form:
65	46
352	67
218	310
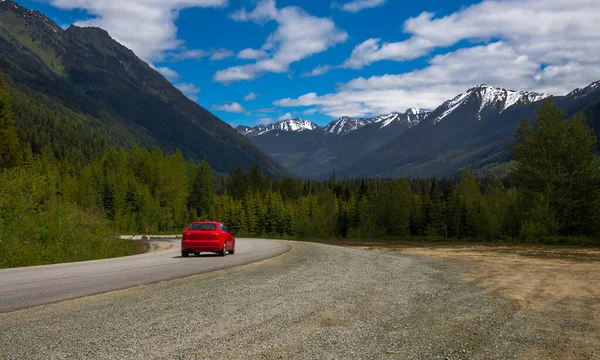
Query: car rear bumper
202	245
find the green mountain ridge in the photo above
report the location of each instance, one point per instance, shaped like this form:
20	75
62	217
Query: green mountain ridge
79	92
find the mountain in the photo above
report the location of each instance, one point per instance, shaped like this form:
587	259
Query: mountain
490	100
79	92
308	150
345	125
293	125
473	129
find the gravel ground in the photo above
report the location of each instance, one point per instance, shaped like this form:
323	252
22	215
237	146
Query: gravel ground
315	302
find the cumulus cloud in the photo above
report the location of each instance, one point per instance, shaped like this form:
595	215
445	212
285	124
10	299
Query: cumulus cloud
251	96
286	116
168	73
319	70
310	111
264	121
221	54
232	108
530	45
547	30
298	35
358	5
252	54
145	26
189	90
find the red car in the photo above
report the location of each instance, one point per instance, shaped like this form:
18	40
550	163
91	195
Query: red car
207	237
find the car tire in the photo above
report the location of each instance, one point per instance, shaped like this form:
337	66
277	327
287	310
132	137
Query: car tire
224	251
185	253
232	251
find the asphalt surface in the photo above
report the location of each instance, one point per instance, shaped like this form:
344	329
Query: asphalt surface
31	286
313	302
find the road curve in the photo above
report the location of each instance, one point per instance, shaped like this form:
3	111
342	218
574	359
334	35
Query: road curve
38	285
313	302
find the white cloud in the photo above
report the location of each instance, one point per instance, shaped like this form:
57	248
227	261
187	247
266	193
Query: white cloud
232	108
187	54
145	26
252	54
286	116
189	90
446	76
547	30
264	121
310	111
168	73
298	35
547	46
358	5
221	54
319	70
372	50
198	54
251	96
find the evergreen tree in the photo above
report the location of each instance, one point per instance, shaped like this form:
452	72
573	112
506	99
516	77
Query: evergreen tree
238	185
202	192
556	162
10	148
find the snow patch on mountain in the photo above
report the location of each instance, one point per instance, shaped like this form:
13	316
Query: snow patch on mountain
580	92
450	106
346	124
386	120
489	97
295	125
292	125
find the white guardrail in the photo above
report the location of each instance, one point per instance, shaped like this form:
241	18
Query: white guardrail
149	237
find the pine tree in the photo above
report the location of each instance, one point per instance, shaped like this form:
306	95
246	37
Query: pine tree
201	196
556	161
237	186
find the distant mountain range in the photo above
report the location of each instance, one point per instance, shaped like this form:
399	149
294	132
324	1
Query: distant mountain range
473	129
79	92
307	149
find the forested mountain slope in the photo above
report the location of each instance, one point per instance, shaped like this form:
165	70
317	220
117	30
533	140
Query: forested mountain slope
78	92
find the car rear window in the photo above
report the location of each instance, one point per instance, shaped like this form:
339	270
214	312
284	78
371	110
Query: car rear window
207	227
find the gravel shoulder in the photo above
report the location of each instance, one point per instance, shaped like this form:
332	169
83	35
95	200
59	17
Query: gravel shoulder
314	302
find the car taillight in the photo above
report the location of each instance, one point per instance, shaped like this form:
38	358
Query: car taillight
185	235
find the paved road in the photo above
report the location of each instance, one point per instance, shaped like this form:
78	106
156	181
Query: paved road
25	287
313	302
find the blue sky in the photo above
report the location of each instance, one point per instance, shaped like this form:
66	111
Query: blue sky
257	61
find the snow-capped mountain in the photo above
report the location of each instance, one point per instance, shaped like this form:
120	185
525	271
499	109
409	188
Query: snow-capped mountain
309	150
292	125
489	99
341	126
345	125
578	93
410	118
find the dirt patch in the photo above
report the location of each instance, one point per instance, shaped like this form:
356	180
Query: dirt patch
558	289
